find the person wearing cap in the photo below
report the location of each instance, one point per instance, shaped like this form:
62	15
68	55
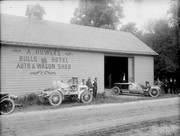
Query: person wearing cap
83	82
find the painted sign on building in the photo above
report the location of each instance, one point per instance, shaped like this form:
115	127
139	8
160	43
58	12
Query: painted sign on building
26	69
43	61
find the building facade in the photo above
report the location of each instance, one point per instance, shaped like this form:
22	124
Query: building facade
36	53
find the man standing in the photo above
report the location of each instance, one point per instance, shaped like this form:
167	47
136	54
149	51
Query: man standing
89	83
110	80
166	86
171	86
95	87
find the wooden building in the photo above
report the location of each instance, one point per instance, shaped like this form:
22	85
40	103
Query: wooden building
34	53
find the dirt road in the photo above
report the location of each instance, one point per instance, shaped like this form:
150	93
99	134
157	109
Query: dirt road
76	120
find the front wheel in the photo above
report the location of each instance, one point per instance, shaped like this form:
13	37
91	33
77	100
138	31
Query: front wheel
7	106
116	90
86	97
55	98
154	92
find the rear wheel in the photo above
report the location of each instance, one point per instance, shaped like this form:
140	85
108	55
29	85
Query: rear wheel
162	91
55	98
7	106
154	92
116	90
86	97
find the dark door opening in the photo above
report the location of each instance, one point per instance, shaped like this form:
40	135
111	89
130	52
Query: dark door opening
117	67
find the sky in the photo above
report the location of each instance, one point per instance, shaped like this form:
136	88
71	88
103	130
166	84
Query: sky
138	11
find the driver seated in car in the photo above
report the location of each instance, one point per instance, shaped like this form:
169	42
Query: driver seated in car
146	86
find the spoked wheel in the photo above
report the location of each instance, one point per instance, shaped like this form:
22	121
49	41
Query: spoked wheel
7	106
116	90
86	97
55	99
162	91
154	92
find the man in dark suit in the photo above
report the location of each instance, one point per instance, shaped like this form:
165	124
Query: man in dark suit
95	87
89	83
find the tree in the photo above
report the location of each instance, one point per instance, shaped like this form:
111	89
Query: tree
174	13
149	25
162	40
130	27
98	13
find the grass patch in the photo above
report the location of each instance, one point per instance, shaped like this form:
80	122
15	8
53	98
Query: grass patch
31	101
28	100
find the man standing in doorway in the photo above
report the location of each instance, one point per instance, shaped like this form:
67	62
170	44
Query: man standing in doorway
110	80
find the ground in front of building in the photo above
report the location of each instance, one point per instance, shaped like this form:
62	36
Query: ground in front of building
34	105
161	127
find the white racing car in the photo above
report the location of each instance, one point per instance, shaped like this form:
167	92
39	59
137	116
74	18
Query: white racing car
135	88
56	95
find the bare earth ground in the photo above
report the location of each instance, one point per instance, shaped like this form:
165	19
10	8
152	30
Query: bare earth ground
90	120
161	127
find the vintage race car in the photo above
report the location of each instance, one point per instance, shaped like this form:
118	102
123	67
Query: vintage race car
135	88
61	91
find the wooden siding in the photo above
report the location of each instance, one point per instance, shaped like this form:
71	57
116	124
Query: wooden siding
25	69
130	69
144	69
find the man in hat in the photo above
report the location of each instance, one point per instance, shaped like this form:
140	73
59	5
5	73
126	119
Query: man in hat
95	87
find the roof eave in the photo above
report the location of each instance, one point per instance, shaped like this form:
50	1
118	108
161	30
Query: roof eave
23	44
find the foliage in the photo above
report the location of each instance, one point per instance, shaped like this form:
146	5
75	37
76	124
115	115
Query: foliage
129	27
98	13
162	39
174	12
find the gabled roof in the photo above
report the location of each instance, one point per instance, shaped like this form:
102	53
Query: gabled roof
25	32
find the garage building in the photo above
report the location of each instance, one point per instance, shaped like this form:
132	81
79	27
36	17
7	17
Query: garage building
34	53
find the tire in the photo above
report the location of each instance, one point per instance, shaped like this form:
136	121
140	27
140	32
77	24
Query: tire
55	98
86	97
116	90
7	106
162	91
154	92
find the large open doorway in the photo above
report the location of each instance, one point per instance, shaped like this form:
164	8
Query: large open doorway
118	68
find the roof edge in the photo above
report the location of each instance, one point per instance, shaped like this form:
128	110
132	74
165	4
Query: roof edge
76	48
